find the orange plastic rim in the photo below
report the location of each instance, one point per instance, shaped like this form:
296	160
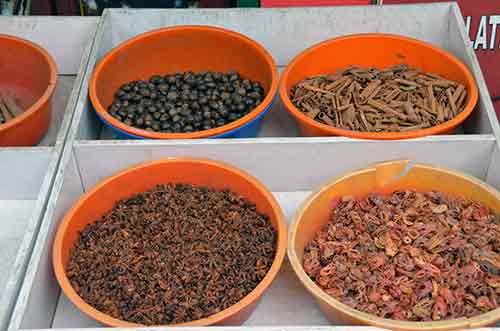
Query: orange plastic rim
370	50
106	193
384	177
28	132
196	33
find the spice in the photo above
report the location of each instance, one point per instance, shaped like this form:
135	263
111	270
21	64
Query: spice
8	107
173	254
396	99
186	102
409	256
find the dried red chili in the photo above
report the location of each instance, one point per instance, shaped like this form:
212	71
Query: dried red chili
409	256
173	254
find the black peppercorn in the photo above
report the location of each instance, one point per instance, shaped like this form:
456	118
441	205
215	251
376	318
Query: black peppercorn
156	79
223	112
241	91
233	76
185	102
176	127
139	122
172	112
172	96
203	100
232	117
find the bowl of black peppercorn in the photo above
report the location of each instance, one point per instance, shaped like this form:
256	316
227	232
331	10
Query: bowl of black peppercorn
185	82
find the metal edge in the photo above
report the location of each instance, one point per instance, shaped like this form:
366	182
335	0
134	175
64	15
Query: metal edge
23	296
476	68
248	328
493	171
240	328
87	70
66	156
454	14
30	241
13	284
75	92
272	140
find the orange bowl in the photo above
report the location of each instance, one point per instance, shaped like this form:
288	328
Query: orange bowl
384	178
381	51
30	74
103	197
178	49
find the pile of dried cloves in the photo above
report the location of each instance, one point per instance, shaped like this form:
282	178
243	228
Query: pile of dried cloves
9	108
396	99
186	102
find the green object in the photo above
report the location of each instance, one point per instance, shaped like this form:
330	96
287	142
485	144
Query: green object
248	3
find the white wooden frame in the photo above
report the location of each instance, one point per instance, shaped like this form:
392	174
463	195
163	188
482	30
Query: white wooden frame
27	173
290	166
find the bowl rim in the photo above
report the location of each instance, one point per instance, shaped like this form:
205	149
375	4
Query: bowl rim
49	91
366	318
301	118
266	102
247	301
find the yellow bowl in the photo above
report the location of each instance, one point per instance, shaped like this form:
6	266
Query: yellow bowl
385	177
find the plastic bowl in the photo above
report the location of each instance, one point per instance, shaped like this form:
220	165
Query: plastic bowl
178	49
384	178
381	51
247	130
31	75
143	177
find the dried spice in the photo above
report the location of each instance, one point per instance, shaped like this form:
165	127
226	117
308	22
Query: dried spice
9	108
409	256
396	99
173	254
186	102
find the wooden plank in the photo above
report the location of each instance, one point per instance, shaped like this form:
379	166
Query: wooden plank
289	164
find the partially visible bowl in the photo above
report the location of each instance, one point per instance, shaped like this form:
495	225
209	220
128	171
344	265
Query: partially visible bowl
381	51
143	177
383	178
178	49
29	73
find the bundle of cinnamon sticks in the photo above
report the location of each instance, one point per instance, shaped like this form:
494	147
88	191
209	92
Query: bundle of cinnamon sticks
396	99
9	109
